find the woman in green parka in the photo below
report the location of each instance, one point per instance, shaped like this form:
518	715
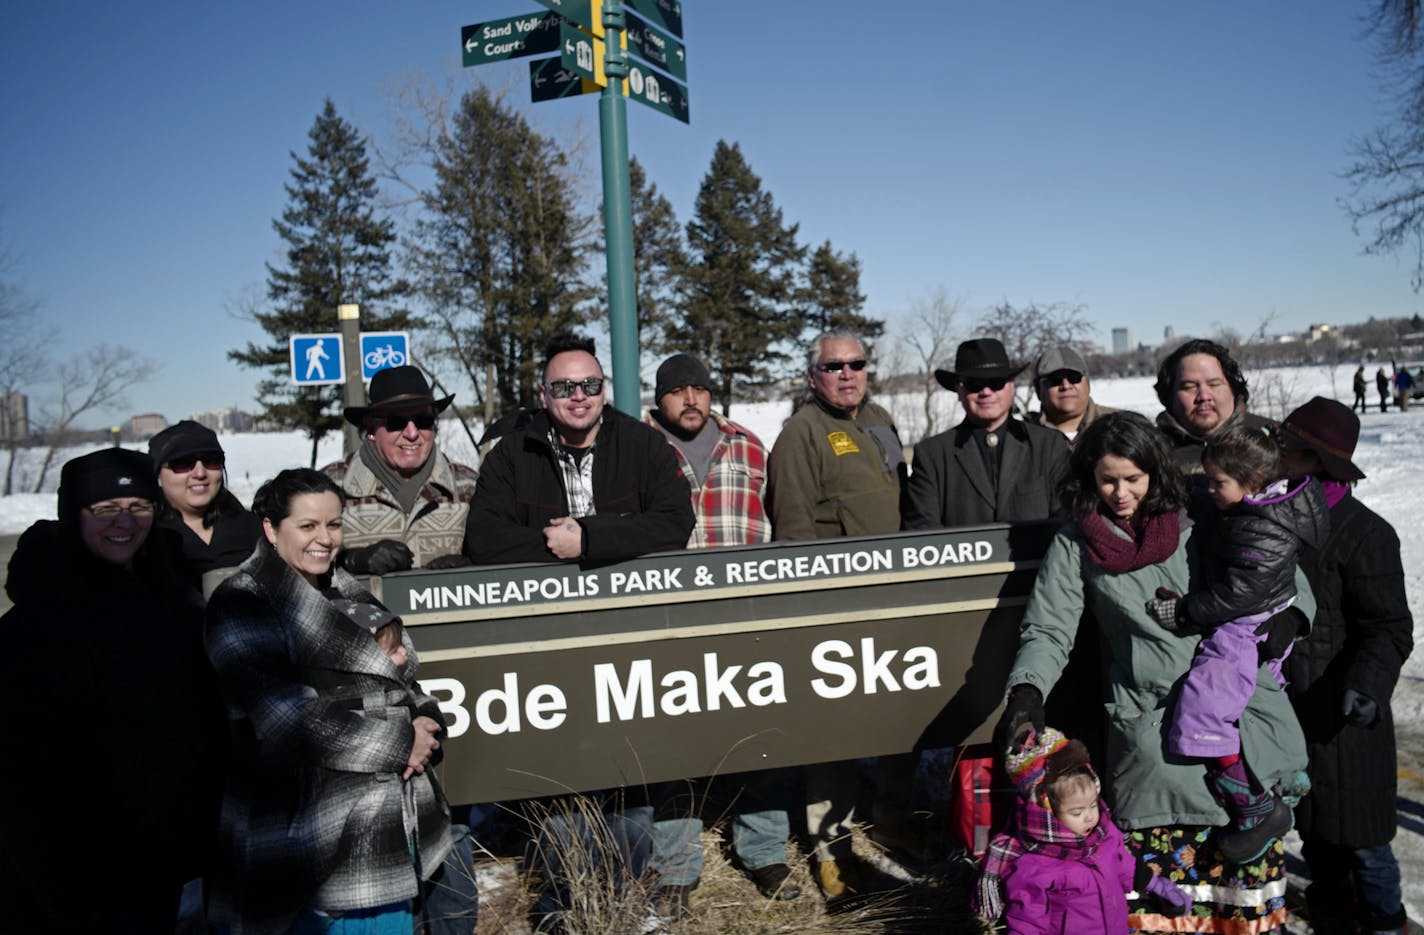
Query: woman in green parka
1130	537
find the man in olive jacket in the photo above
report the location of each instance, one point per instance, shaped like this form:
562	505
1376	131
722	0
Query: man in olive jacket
837	469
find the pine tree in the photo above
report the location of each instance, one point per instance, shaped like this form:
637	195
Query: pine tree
500	252
659	258
831	297
338	252
740	282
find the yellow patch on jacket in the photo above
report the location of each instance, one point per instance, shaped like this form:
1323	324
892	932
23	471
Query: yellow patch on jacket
842	444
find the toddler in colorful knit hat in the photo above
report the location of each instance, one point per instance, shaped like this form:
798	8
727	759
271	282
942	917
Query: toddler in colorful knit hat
1062	865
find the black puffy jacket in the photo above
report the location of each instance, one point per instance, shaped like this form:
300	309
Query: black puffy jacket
1256	544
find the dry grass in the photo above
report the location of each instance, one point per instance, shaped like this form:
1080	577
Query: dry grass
727	903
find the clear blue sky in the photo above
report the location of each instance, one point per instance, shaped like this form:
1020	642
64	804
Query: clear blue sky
1159	164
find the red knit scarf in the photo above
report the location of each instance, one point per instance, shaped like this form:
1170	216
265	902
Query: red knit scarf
1151	540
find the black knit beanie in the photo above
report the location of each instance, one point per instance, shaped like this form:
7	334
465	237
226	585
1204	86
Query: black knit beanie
110	472
680	370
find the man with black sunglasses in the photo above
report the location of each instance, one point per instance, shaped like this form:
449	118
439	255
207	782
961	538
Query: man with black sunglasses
406	503
991	467
1060	378
579	480
838	469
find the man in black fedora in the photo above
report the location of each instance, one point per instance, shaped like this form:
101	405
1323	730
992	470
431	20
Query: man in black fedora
406	503
991	467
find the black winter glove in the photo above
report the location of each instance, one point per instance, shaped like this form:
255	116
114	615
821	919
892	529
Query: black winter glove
378	558
1279	632
449	561
1360	709
1024	708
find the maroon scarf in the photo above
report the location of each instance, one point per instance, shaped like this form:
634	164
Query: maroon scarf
1152	540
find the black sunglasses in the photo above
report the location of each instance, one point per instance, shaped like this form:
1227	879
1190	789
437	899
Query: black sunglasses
563	389
976	386
1058	376
397	423
210	459
836	366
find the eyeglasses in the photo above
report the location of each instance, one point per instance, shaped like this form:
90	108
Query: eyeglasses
1058	376
563	389
139	509
424	421
210	459
836	366
978	386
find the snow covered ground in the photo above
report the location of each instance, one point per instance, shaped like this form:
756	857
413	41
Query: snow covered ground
1390	452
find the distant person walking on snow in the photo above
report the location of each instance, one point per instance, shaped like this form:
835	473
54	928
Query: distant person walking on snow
1382	384
1359	389
1404	386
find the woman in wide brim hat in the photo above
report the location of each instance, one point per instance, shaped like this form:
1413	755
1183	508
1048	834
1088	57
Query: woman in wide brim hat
979	359
1329	430
1341	676
396	388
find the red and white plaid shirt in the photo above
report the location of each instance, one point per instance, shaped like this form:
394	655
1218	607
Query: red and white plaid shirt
728	502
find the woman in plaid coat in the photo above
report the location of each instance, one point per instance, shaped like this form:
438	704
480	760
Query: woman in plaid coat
330	816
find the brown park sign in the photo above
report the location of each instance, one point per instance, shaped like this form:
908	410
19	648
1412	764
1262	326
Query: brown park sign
568	677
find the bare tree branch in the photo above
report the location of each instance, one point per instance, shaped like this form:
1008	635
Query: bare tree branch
97	380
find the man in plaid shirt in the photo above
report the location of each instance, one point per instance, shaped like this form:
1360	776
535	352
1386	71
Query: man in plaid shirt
726	467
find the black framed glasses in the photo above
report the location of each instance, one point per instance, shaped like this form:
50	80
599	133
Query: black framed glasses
1058	376
836	366
139	509
563	389
978	386
424	421
211	459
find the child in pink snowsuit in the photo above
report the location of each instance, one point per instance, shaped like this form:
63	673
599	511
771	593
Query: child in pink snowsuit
1062	866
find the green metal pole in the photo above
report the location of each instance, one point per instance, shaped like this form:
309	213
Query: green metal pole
618	217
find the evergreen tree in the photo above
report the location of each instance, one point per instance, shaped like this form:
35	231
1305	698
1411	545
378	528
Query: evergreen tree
659	258
740	282
338	252
500	250
831	297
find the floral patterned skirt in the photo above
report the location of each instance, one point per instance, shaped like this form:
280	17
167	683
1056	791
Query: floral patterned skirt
1229	900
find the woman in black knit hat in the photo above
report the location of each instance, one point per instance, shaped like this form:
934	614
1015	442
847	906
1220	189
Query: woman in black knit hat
108	802
214	530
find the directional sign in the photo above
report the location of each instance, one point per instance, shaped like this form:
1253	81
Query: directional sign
582	54
657	91
514	37
664	13
383	349
587	13
660	48
316	359
549	80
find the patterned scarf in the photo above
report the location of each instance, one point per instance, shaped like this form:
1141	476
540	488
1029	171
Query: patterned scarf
1150	541
1035	831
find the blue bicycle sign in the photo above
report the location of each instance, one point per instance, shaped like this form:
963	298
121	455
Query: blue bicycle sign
382	349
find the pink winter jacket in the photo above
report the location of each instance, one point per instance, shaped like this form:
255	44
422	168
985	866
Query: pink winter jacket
1053	896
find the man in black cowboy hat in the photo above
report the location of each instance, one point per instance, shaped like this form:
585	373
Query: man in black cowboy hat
991	467
406	502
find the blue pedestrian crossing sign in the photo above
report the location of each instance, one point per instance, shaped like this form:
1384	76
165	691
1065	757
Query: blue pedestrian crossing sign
382	349
316	359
